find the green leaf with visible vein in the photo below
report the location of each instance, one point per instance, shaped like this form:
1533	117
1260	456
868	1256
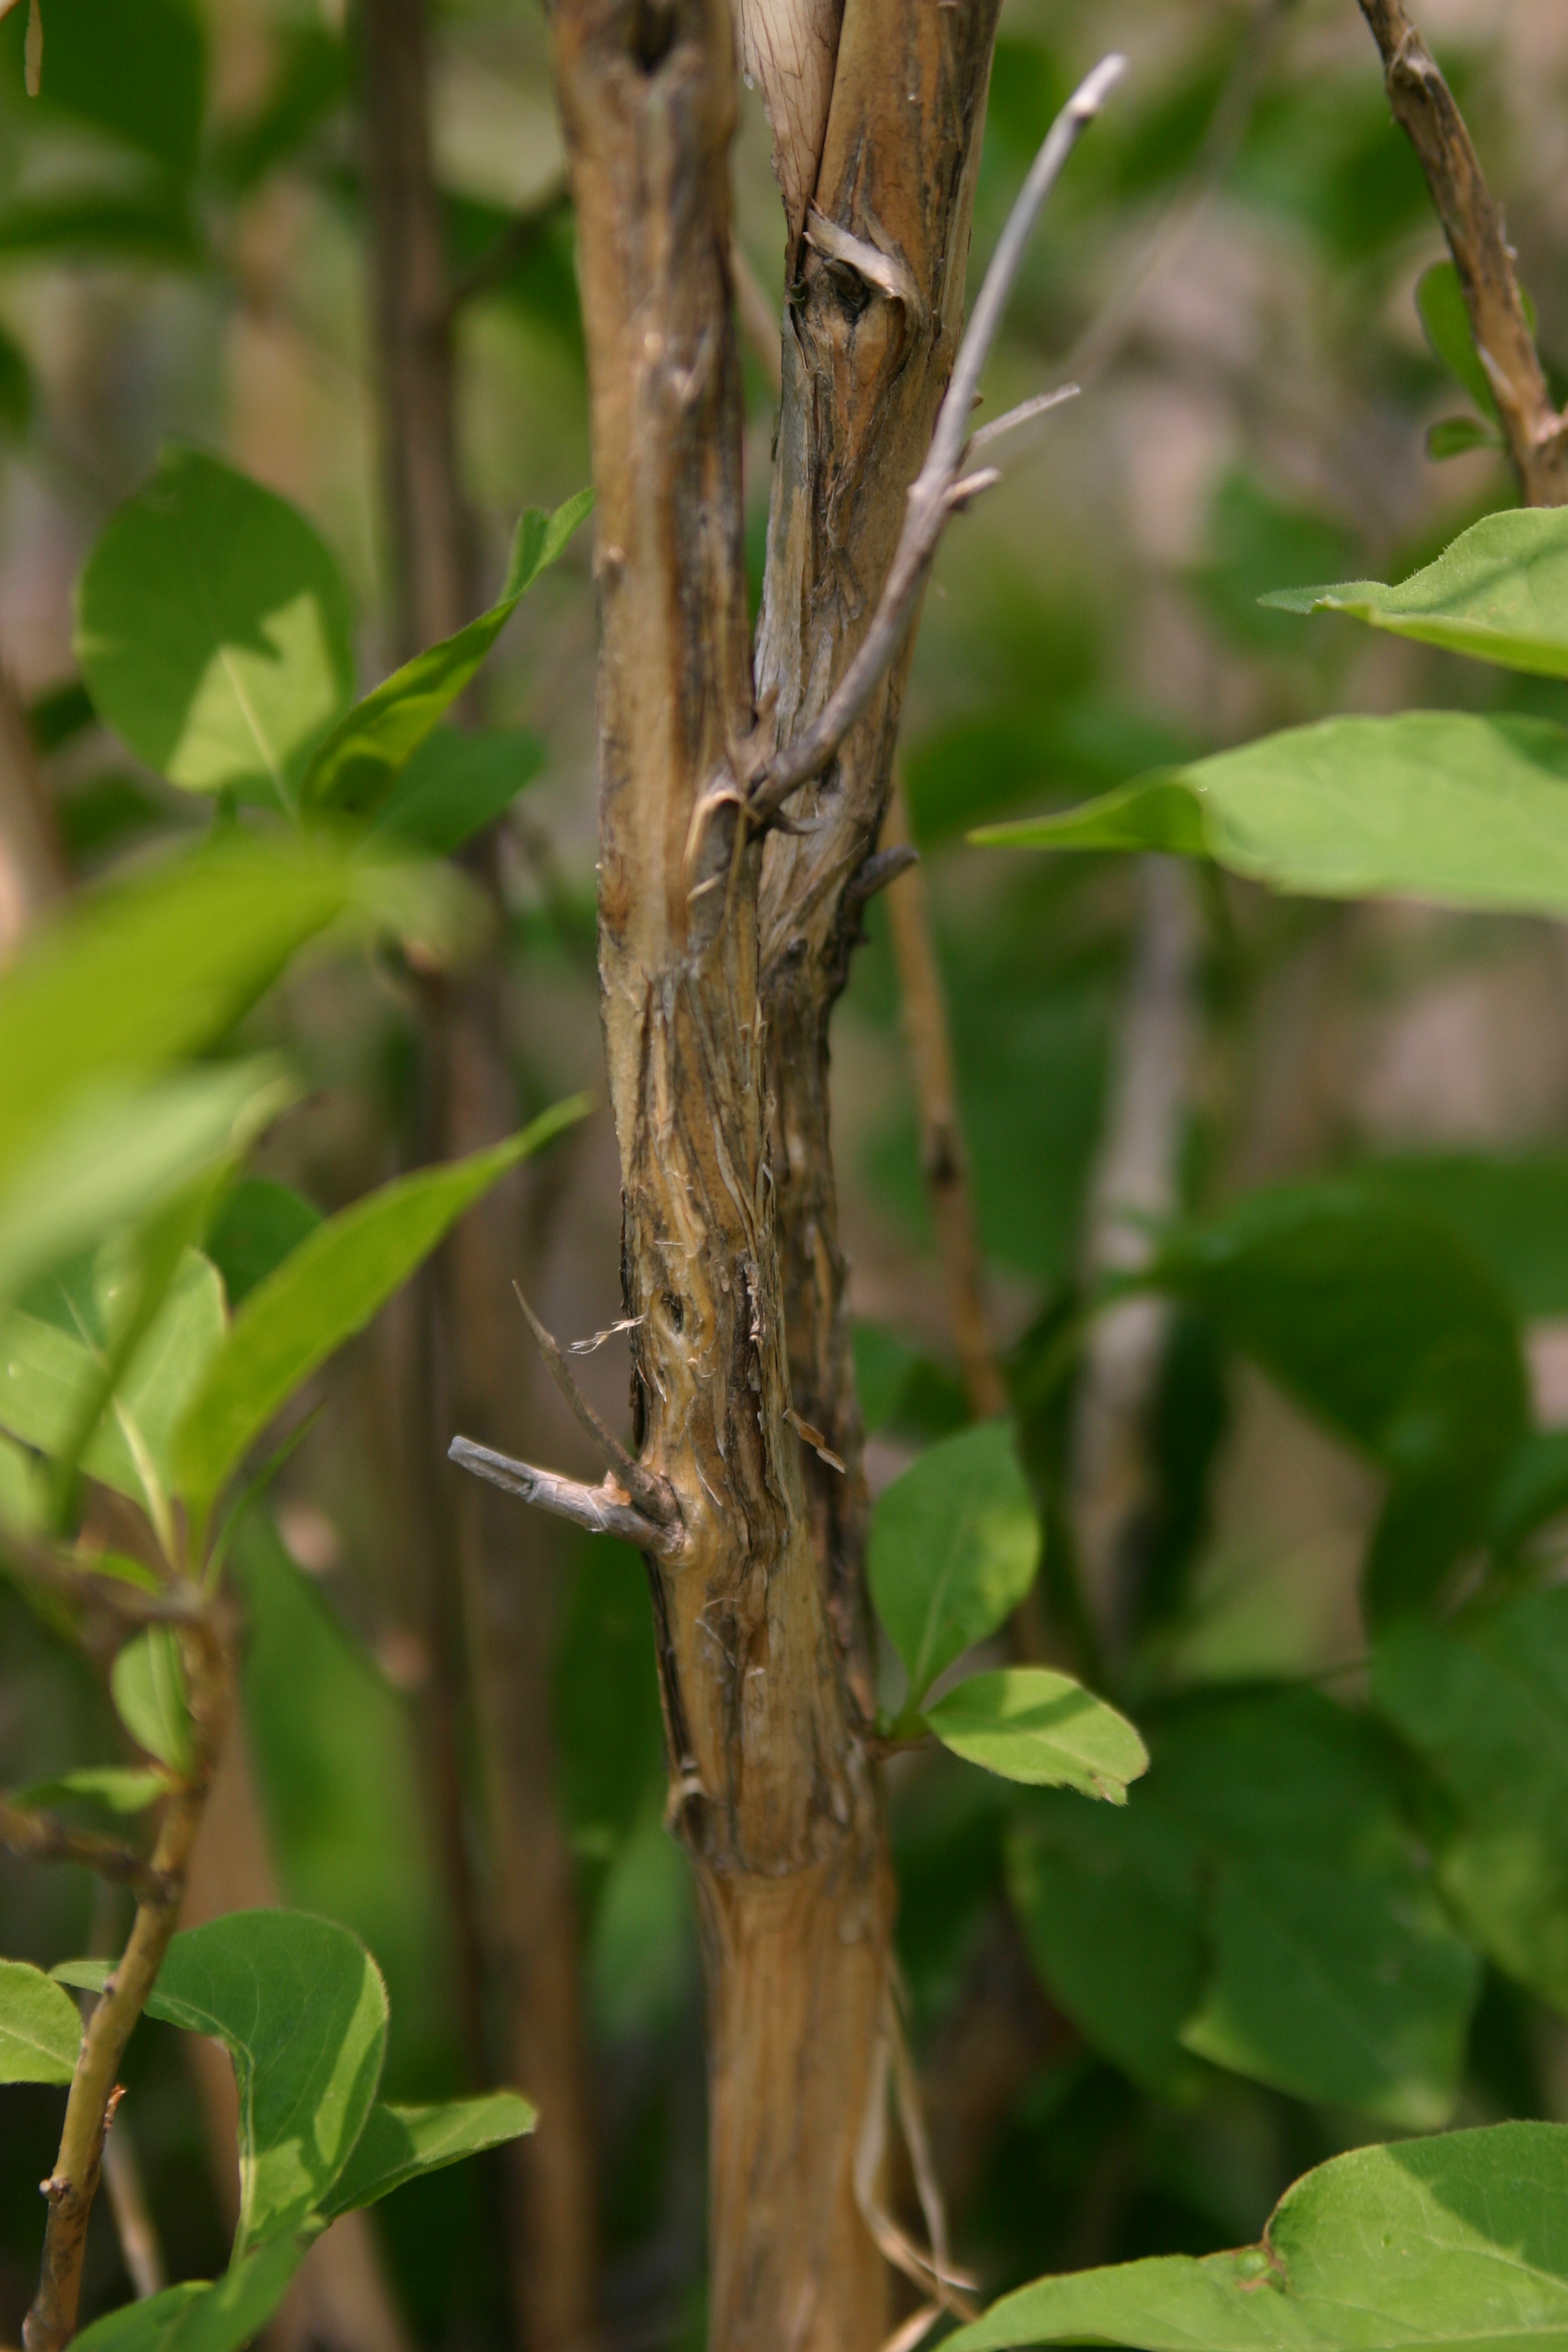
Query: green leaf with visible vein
399	2144
1027	1723
1460	2242
147	1684
1484	1701
300	2007
214	631
1289	1928
955	1544
323	1292
197	2316
355	767
1444	807
1500	593
40	2026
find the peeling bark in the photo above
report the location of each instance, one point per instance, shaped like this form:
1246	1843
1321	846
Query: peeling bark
773	1793
870	337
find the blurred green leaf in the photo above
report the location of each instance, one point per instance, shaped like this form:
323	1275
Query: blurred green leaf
1484	1700
456	784
1380	1319
322	1293
301	2008
1258	543
975	768
258	1227
399	2144
40	2026
1267	1842
605	1711
148	1684
50	1380
356	766
197	2316
122	1788
1446	322
17	391
1109	1905
148	220
1323	150
1026	1723
1460	2241
105	812
213	631
1444	807
1456	436
144	972
1512	1210
954	1547
140	76
121	1152
1500	593
1531	1492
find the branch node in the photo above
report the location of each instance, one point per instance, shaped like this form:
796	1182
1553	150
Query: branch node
654	1496
603	1510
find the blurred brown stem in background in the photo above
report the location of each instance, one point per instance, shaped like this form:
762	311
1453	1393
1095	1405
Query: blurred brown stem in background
504	1560
1473	224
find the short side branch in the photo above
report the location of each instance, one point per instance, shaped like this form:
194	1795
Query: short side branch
604	1510
40	1837
1473	224
653	1496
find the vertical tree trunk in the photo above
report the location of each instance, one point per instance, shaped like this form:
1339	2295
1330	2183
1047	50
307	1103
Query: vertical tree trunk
505	1562
720	960
772	1791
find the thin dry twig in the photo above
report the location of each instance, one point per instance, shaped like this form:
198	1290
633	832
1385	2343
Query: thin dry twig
942	486
605	1510
653	1496
1472	222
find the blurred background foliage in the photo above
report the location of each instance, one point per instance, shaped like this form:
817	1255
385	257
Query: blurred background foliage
1230	273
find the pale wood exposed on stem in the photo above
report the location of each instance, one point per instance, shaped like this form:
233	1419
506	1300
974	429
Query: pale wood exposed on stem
1473	224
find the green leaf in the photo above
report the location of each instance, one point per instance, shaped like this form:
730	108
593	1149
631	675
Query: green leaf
144	972
456	784
1111	1908
123	1789
213	631
142	78
299	2005
40	2026
50	1381
955	1544
399	2144
152	221
355	767
1460	2242
1027	1723
1456	436
148	1686
1444	807
1441	304
258	1225
323	1292
1380	1319
197	2316
1484	1701
1512	1209
1499	592
1266	1868
123	1151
